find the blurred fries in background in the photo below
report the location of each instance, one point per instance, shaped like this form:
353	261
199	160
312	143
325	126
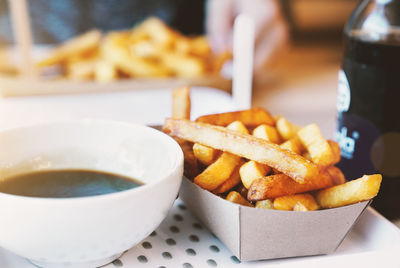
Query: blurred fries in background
149	50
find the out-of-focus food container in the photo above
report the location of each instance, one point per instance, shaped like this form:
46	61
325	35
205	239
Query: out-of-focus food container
259	234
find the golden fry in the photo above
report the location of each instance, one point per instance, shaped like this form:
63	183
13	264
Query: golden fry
266	204
300	207
135	66
81	70
183	65
336	175
181	103
235	197
319	149
267	132
286	129
281	185
88	41
289	202
218	172
204	154
251	118
105	71
207	155
351	192
245	146
233	180
251	171
294	144
335	150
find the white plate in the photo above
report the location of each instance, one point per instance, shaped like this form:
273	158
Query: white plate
373	242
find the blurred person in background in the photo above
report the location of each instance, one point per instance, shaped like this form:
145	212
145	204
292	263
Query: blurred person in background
56	21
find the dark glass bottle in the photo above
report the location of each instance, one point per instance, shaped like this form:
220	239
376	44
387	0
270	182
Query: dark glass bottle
368	104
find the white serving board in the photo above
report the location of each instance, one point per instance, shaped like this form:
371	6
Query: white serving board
181	241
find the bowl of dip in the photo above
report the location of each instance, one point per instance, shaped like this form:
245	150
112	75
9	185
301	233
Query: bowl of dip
80	193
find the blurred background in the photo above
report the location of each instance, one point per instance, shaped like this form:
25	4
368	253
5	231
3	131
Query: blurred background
298	62
298	42
55	21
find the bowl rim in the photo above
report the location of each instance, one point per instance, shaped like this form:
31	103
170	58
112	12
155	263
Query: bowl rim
102	197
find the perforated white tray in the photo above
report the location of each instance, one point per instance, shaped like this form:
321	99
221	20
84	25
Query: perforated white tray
181	241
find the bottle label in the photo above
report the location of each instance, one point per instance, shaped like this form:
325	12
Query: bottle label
346	140
343	96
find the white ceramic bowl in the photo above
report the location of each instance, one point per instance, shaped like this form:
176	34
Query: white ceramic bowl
87	231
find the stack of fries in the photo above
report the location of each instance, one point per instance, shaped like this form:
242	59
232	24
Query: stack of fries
254	159
151	49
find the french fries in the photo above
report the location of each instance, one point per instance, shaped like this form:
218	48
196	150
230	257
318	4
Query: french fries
335	151
251	171
319	149
235	197
281	185
204	154
300	202
267	204
181	103
286	167
336	175
251	118
267	132
151	49
218	172
294	144
286	129
233	180
221	170
245	146
351	192
76	46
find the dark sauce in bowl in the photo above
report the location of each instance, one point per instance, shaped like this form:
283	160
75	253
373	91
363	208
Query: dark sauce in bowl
66	183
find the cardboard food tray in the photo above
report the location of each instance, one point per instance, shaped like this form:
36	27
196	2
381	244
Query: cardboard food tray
258	234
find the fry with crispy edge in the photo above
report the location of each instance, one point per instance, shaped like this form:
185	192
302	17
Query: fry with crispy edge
280	185
351	192
247	146
251	118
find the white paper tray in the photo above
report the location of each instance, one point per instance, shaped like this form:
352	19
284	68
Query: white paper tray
181	241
